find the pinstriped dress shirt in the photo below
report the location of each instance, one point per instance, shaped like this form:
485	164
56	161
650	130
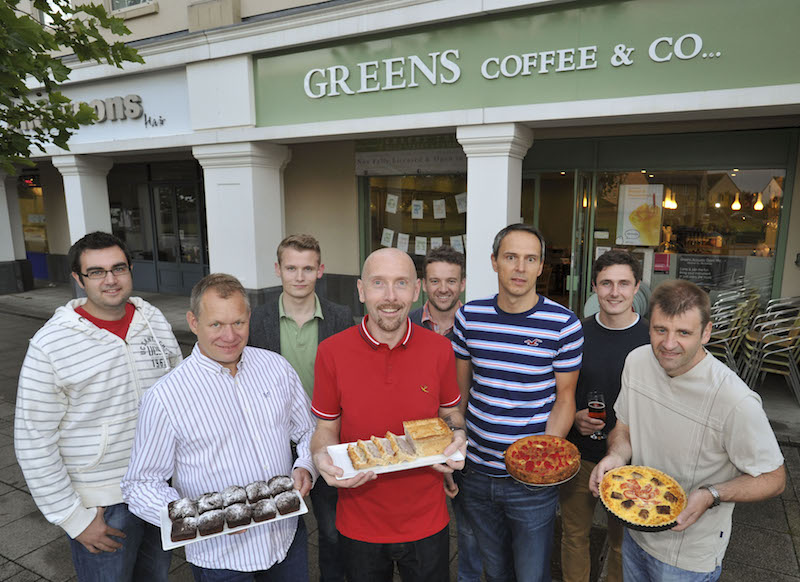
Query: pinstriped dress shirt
207	429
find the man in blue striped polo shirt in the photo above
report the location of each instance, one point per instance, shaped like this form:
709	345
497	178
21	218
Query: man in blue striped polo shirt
518	355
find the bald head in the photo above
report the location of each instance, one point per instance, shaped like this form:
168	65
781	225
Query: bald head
383	258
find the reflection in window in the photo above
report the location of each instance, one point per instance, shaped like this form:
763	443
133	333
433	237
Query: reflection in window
414	213
120	4
129	199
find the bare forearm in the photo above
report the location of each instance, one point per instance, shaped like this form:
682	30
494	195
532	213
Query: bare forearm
746	488
619	443
452	417
323	436
561	417
464	379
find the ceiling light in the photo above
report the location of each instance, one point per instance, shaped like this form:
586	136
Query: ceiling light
736	204
759	205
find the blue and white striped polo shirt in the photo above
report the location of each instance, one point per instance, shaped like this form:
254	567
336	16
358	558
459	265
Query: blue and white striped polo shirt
514	360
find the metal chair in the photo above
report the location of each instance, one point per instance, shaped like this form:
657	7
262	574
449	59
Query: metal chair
773	346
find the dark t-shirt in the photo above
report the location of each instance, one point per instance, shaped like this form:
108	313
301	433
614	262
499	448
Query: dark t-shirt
604	353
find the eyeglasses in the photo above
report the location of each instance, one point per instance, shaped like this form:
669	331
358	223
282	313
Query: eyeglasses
116	270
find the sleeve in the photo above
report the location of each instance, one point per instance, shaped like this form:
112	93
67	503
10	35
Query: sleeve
144	486
749	440
326	403
460	335
41	406
301	423
570	351
449	395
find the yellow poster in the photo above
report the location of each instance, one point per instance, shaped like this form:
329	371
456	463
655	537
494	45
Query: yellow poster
639	214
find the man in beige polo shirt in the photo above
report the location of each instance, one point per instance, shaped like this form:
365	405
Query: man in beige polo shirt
683	412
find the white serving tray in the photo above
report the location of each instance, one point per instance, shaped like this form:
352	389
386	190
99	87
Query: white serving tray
341	459
166	526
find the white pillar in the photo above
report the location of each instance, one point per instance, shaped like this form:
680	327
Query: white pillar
12	241
244	208
494	192
85	193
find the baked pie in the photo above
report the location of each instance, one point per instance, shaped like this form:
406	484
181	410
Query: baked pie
642	497
542	460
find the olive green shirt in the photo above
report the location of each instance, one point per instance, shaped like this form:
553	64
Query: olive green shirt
299	344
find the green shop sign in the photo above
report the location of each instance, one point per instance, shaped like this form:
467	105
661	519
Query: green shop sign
597	50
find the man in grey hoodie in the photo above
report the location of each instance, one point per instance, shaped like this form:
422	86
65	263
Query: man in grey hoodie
77	406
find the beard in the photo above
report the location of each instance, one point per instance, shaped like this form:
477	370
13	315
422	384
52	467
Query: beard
389	325
449	306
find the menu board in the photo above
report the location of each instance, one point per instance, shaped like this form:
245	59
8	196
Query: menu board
710	270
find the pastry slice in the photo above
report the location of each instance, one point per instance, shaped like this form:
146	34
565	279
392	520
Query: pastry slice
402	450
385	448
357	457
372	453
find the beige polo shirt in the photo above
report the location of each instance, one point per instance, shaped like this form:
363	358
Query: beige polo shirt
704	426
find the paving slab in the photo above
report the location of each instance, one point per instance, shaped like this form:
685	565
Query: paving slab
733	571
52	561
764	549
769	514
14	505
12	475
27	534
7	454
25	576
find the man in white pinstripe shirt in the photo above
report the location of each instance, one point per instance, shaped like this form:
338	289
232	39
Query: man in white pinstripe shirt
225	416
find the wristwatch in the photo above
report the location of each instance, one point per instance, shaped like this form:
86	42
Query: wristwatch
714	493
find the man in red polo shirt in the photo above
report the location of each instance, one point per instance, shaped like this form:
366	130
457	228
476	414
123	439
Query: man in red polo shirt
368	379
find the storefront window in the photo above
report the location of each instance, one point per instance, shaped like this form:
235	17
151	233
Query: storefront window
129	198
715	227
417	213
31	206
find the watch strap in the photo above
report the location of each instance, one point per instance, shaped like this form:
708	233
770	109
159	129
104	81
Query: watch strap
714	493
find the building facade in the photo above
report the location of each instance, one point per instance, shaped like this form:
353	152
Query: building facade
668	128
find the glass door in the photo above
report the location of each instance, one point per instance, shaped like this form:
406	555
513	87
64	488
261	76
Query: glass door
582	242
179	236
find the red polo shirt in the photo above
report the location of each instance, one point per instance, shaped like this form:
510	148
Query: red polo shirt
374	389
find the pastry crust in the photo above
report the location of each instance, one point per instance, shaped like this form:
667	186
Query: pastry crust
428	436
542	459
642	496
357	457
402	450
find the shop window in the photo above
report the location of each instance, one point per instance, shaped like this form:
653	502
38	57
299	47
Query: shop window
715	227
129	198
417	213
31	206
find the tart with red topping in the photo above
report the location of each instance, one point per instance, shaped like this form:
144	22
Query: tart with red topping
644	498
542	460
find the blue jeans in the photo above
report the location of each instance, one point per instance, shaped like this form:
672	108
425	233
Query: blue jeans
293	568
470	567
425	560
323	500
514	526
640	566
140	558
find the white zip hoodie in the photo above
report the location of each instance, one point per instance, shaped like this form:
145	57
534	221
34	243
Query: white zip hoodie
77	406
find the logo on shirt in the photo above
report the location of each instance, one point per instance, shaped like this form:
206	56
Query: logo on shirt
424	388
533	342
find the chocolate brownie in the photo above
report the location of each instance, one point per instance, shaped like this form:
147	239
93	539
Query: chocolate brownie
279	484
184	528
238	514
211	522
233	494
184	507
287	502
264	510
257	490
208	501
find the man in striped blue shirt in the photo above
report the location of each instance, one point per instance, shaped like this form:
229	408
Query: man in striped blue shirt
518	355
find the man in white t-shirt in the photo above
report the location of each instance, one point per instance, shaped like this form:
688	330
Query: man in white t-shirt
683	412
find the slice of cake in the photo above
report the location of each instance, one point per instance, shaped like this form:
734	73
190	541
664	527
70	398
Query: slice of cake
279	484
257	490
287	502
180	508
264	510
211	522
238	514
232	495
209	501
184	528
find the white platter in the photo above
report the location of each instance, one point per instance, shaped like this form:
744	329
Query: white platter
166	526
341	459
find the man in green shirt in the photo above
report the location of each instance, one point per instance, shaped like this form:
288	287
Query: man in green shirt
293	325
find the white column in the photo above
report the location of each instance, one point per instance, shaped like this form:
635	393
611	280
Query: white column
85	193
12	241
494	191
244	208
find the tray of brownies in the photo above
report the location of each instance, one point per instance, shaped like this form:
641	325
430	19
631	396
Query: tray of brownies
235	508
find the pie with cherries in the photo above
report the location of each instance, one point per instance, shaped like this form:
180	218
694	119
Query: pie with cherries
542	460
642	496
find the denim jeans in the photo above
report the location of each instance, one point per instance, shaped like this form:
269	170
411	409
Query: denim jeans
425	560
514	526
140	558
640	566
470	567
293	568
323	500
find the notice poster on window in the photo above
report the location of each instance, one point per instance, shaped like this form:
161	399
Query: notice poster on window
461	202
391	203
402	241
639	214
439	210
710	270
416	209
436	242
421	245
387	237
457	243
